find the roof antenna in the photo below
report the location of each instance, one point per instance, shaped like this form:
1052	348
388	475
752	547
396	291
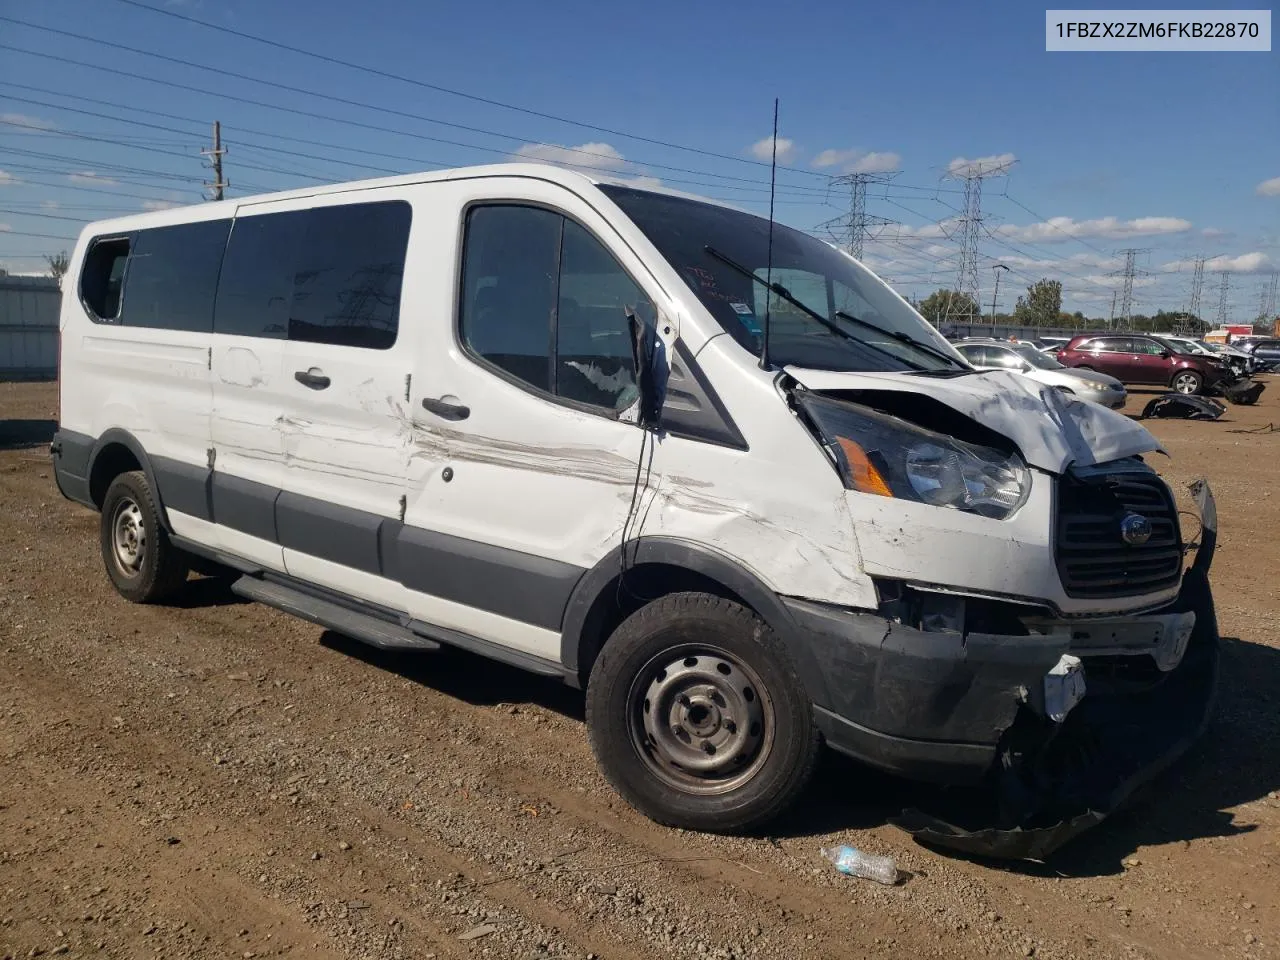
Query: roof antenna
768	297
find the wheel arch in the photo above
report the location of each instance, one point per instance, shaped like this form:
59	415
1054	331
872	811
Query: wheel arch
118	451
610	592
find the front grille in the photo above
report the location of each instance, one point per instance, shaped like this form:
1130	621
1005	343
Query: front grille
1093	559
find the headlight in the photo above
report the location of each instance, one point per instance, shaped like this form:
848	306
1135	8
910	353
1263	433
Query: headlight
888	457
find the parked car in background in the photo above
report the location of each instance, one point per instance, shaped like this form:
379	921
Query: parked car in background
1024	358
1266	355
1239	361
1047	343
1139	359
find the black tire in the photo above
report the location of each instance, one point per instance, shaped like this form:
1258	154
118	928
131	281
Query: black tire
645	668
1187	382
155	569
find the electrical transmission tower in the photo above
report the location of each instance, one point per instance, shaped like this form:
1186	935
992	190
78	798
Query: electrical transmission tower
215	155
968	227
1197	286
1129	274
851	229
1222	299
1269	309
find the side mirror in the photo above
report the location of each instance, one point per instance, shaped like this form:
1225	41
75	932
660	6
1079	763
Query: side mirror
649	352
1165	354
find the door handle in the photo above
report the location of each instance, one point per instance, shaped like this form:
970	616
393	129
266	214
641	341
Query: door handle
316	381
445	409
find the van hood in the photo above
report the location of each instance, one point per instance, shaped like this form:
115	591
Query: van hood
1051	429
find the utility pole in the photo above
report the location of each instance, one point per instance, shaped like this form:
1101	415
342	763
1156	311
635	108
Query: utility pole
996	268
850	230
1222	299
215	155
969	224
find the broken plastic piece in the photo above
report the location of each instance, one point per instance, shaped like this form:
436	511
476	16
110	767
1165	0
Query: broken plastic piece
868	866
1182	406
1245	392
1064	687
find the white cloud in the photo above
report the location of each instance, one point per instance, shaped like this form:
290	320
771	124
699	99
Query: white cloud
763	150
1061	229
158	204
857	161
50	205
5	228
1255	262
1213	233
586	156
1269	188
996	163
23	120
7	178
89	176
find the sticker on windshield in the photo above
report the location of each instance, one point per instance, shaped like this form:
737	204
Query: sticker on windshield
749	321
741	308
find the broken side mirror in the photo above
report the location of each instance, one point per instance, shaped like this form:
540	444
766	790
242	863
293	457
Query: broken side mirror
649	350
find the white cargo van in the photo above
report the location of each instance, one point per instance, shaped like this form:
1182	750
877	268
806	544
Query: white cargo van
518	411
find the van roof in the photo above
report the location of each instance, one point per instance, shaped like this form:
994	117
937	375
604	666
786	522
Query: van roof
214	210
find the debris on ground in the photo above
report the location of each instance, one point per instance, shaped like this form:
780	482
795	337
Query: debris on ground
1184	407
1245	392
868	866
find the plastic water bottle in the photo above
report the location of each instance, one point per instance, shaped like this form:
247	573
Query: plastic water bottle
855	863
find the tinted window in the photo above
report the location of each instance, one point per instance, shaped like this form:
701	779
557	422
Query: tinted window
593	336
102	277
347	275
508	289
1142	345
173	276
1108	345
978	356
1000	357
544	301
256	287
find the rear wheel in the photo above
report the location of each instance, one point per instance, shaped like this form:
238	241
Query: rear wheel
698	718
1187	382
143	565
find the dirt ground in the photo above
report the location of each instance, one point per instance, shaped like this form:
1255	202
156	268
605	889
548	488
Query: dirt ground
220	780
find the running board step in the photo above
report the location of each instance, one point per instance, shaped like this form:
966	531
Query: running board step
359	626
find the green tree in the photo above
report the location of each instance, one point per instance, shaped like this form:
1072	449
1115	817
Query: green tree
943	305
1042	305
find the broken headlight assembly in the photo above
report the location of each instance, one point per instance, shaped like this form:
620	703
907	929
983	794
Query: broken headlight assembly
889	457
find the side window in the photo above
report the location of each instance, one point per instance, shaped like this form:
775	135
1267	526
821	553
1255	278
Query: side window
103	276
545	302
347	275
173	276
255	290
978	356
1111	345
1001	357
593	336
1149	347
509	274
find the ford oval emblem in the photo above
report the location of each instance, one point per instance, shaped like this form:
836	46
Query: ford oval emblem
1135	529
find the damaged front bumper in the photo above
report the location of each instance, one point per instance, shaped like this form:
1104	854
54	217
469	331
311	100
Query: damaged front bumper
1055	727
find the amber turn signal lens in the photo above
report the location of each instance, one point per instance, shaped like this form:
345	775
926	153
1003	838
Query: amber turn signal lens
862	473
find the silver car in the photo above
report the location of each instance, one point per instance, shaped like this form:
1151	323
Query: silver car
1026	359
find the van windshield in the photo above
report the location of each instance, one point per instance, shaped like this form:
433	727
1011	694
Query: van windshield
813	272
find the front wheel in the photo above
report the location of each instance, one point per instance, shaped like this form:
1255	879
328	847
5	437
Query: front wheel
697	717
1187	382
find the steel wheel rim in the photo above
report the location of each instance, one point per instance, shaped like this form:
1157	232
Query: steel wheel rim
1185	383
702	721
128	537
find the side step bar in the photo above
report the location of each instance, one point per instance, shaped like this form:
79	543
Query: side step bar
360	626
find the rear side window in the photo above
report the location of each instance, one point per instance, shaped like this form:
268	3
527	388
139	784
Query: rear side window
102	277
346	280
256	286
546	303
999	357
173	276
1108	345
1149	347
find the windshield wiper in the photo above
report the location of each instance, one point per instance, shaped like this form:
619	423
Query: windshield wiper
902	338
785	294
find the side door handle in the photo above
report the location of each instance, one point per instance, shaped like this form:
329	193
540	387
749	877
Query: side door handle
316	381
446	409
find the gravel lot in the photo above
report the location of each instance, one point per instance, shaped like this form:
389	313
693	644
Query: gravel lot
221	780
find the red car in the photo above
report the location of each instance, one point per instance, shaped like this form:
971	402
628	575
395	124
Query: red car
1137	359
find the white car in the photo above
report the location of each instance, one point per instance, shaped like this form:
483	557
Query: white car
1043	368
566	424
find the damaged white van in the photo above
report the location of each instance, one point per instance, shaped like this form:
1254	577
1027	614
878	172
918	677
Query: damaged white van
722	477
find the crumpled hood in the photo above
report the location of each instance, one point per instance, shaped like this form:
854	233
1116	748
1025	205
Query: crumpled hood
1052	430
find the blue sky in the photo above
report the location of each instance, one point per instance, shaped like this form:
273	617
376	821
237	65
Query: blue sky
1168	152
